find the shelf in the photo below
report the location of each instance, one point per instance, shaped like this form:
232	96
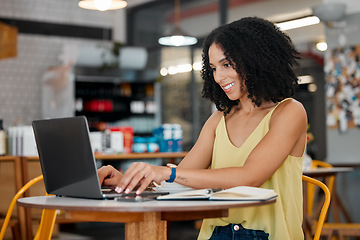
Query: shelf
169	155
99	114
104	101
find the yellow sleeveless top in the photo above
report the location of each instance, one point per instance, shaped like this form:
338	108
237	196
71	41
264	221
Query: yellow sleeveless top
282	220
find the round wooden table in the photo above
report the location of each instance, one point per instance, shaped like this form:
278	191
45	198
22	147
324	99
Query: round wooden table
143	220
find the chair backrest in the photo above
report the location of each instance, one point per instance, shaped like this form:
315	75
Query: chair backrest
329	182
325	206
47	219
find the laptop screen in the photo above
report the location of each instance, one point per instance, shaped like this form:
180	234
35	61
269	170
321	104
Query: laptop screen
66	157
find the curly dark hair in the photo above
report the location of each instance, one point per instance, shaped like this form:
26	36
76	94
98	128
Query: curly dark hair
262	55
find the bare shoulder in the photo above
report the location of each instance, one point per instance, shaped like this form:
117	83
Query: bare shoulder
290	110
213	120
290	106
216	115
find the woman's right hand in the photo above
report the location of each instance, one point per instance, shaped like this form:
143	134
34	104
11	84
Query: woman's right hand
109	176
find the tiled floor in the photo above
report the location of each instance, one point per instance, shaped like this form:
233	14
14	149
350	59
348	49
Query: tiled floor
115	231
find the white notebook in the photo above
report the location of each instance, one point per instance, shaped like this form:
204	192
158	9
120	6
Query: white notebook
241	193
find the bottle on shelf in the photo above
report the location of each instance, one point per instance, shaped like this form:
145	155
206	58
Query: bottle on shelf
177	138
170	137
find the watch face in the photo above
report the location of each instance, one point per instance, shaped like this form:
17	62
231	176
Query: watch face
171	165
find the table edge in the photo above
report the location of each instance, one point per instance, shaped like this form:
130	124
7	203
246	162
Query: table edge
175	208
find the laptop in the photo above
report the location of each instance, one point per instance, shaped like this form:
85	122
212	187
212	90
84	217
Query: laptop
67	160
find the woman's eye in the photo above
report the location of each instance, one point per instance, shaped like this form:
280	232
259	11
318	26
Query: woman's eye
227	65
213	69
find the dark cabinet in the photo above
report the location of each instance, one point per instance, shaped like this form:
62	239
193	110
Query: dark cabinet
108	99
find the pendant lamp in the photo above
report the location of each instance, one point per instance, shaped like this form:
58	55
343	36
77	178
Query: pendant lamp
177	37
330	12
102	5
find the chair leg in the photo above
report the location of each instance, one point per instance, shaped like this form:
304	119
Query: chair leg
47	223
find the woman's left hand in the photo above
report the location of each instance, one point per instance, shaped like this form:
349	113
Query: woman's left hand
142	174
109	176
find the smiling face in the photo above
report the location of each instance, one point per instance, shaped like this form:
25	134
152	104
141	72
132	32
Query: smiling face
225	74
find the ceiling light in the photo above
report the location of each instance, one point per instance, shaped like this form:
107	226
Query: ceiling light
282	17
177	37
298	23
172	70
321	46
197	66
306	79
163	71
102	5
312	87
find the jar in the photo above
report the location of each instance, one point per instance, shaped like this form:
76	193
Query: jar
139	145
152	145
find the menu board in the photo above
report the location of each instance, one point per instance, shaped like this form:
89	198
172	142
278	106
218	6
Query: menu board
342	72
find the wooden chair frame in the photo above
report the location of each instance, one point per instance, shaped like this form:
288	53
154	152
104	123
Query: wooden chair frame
48	216
341	230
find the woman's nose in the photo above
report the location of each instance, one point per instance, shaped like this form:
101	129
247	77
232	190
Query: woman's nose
219	76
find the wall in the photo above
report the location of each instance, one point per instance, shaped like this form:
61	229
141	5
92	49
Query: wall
21	77
343	148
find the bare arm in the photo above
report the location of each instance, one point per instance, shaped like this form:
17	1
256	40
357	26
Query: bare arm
199	157
287	135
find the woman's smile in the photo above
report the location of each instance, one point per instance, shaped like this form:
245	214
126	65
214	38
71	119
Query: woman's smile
224	72
227	88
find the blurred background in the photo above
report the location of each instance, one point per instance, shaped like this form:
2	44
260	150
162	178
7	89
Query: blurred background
58	59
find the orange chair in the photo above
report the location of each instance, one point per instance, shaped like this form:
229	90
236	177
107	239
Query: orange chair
337	229
48	217
329	182
325	206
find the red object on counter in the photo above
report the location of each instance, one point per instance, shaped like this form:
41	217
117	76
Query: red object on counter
128	133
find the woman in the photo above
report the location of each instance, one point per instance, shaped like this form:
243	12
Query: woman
256	138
